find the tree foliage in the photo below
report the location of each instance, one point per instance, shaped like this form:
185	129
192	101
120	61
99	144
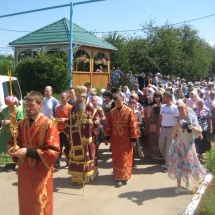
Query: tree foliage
36	73
170	50
118	58
6	63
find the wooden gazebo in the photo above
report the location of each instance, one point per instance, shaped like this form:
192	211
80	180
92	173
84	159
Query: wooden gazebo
89	52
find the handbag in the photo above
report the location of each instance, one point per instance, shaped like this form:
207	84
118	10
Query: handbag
152	128
138	150
101	136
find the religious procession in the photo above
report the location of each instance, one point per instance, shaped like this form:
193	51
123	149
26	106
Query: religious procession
161	119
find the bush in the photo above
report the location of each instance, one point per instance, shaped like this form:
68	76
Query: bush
36	73
209	160
57	96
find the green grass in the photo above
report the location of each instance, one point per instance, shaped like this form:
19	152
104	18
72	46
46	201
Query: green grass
207	204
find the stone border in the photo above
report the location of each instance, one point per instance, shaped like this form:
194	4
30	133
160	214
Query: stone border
191	208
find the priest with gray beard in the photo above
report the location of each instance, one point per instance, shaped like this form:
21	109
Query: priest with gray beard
81	153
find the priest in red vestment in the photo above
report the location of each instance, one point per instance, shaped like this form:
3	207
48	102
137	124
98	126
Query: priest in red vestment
83	124
122	131
38	140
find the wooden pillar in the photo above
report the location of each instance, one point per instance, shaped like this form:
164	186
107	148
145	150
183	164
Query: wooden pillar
108	71
91	61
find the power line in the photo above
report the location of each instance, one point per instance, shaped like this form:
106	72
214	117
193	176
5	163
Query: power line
5	48
38	49
2	50
4	29
106	32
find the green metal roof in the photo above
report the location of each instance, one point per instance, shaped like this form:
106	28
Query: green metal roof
58	32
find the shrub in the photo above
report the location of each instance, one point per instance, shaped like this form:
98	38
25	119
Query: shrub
36	73
209	160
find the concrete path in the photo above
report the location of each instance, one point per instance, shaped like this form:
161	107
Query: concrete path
149	192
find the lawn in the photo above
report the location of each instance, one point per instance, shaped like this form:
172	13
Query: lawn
207	203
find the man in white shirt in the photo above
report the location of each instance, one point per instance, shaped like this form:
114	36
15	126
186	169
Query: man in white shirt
168	118
50	103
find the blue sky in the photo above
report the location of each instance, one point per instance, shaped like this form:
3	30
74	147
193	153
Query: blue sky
105	16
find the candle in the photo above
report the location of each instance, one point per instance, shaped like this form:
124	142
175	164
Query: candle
10	82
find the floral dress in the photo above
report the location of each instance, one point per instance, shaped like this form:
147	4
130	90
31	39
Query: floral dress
145	139
183	157
154	151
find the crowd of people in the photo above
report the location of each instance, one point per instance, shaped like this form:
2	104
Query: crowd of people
164	120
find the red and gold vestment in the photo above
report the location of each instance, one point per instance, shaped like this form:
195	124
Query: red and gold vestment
35	176
121	127
82	154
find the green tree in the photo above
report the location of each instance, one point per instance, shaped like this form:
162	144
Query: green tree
167	49
170	50
6	63
196	55
211	72
36	73
117	58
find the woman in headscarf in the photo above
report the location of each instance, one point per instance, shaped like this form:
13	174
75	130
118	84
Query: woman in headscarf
191	102
210	103
205	121
127	93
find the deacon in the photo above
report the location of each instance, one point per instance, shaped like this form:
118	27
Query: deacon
83	124
38	140
122	129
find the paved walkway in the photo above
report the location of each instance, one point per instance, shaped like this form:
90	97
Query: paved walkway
149	192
